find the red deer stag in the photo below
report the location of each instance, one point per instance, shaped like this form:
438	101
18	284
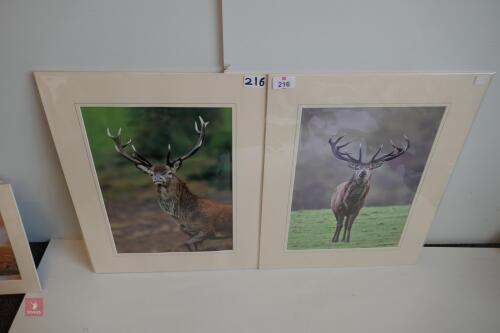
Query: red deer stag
199	218
349	197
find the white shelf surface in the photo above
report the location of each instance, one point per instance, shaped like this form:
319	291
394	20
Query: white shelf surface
449	290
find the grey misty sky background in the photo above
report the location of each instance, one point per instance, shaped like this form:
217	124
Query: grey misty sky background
318	173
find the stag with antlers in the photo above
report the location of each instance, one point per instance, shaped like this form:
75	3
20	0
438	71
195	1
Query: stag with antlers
349	197
199	218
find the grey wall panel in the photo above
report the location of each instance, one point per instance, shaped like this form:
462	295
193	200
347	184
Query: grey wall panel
121	35
390	35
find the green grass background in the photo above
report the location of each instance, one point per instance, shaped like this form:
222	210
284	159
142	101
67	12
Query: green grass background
374	227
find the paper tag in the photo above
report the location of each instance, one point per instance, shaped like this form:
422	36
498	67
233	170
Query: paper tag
284	82
254	81
481	80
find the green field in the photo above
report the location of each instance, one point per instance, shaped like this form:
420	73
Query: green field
374	227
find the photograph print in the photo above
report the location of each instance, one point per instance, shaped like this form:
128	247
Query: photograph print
356	174
165	174
8	265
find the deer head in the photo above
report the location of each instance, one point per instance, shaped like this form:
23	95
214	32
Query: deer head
160	174
362	170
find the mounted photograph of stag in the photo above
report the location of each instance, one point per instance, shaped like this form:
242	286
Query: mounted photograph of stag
349	197
357	170
165	175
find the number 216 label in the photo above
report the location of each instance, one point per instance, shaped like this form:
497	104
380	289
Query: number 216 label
254	81
283	82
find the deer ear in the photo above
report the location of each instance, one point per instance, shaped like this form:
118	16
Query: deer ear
376	165
352	165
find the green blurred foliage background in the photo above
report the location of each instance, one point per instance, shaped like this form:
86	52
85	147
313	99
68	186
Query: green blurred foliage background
151	130
137	222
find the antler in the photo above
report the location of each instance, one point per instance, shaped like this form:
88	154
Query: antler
374	162
139	161
197	146
341	155
396	152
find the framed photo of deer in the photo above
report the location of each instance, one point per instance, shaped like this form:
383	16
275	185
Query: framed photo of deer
355	165
139	215
18	273
161	167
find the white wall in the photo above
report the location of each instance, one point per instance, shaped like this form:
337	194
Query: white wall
277	35
128	35
390	35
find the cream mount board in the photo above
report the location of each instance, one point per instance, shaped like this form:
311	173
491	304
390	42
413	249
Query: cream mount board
216	132
310	171
18	273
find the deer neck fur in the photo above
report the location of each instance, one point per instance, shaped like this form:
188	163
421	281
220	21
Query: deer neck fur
357	189
176	199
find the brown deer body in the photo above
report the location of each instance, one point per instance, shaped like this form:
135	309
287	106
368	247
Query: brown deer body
349	197
197	217
347	200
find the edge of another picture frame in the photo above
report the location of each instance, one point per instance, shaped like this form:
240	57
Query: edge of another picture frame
29	281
